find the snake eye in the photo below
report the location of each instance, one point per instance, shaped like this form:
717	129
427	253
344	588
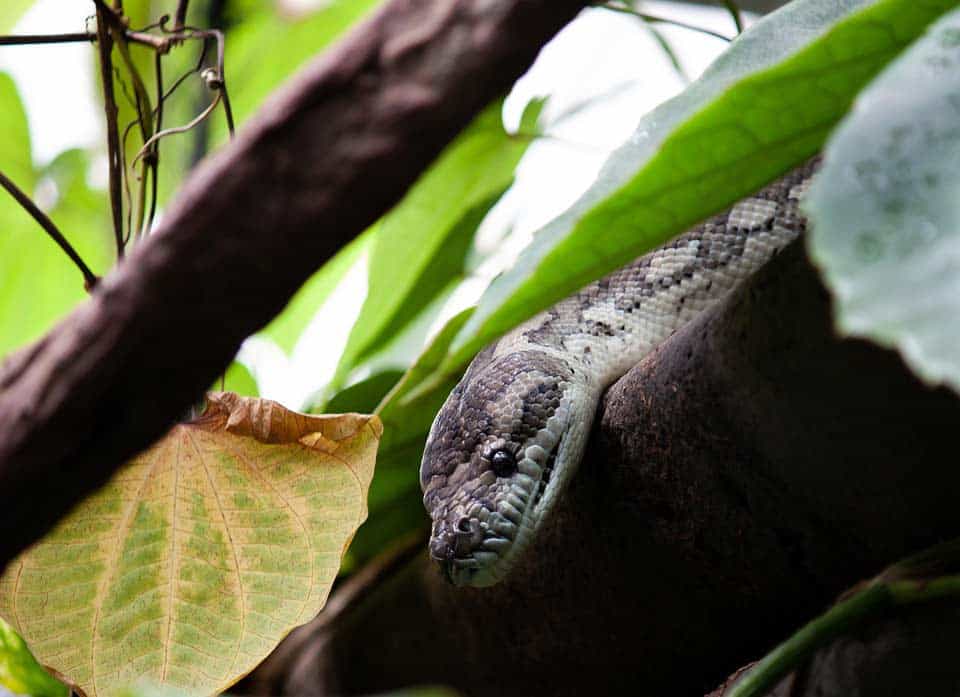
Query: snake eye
504	463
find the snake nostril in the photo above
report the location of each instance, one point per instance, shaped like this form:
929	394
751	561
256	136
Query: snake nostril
463	525
441	550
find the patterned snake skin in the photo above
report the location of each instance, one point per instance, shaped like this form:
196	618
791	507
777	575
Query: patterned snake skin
511	434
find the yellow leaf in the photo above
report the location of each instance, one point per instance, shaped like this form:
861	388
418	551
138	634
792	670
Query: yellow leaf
201	553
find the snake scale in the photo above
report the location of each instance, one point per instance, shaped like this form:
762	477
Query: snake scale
511	434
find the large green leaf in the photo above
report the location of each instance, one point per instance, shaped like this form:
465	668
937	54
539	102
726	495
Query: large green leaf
766	105
38	283
886	230
394	502
421	246
201	553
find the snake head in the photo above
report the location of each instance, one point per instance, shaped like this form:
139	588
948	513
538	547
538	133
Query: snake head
492	465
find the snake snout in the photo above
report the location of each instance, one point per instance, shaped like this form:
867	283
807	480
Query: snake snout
441	548
451	542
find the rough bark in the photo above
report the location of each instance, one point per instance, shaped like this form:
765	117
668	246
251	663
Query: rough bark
737	479
331	152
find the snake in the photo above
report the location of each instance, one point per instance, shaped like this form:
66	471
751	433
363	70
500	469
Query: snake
508	439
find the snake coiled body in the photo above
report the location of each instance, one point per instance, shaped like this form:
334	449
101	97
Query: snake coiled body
511	434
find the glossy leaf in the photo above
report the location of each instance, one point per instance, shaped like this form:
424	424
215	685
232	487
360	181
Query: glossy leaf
422	244
886	231
764	106
395	497
201	554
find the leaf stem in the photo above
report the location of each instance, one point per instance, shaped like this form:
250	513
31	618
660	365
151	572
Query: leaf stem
735	14
90	279
180	18
178	129
105	47
845	615
155	160
627	9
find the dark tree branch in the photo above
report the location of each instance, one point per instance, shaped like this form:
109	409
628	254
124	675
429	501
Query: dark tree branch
326	156
737	480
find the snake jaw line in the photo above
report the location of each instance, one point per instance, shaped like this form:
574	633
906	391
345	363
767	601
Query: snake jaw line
507	521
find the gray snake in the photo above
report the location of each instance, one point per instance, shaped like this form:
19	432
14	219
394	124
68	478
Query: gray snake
510	436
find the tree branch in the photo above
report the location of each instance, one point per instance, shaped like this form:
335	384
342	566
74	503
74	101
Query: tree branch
325	157
29	39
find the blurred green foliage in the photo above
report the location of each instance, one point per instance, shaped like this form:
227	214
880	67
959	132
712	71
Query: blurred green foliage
38	283
11	11
19	671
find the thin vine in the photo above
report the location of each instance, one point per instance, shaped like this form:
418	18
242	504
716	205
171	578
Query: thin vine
132	189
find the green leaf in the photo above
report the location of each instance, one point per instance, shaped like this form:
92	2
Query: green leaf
407	418
364	396
19	671
238	380
421	692
422	244
395	497
290	44
38	283
10	13
81	213
765	106
16	160
201	553
886	224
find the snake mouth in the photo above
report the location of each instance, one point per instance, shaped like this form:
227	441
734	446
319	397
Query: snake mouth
484	547
544	479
